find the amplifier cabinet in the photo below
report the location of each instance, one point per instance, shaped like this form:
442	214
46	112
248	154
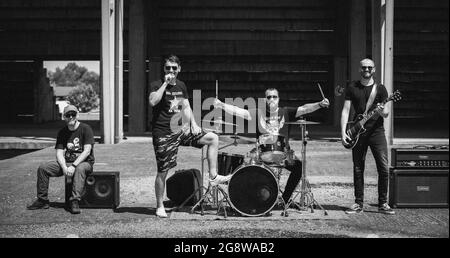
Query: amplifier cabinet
419	158
418	188
102	190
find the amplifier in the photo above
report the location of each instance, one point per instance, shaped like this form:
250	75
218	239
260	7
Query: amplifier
419	158
102	190
418	188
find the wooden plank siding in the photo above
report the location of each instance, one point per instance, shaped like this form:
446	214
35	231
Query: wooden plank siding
51	30
17	90
421	33
249	46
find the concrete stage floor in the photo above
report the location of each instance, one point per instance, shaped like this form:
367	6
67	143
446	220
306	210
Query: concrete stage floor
329	170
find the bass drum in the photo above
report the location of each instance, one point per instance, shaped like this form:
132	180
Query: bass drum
253	190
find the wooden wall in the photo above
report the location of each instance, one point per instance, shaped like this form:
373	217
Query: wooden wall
248	45
252	45
50	29
17	82
421	60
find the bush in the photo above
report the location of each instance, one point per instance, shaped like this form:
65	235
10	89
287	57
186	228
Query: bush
84	98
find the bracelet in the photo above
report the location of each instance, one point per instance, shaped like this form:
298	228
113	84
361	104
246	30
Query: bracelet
73	165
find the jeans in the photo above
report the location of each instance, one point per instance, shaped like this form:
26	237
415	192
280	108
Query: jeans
293	180
53	169
376	140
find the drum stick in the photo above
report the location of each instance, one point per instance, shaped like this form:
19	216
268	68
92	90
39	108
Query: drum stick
321	92
217	89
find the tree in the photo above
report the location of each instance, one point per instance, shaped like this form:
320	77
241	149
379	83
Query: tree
74	75
84	97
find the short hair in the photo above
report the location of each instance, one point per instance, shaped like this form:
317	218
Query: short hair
271	89
173	59
367	60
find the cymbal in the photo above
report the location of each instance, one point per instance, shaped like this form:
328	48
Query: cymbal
220	122
302	122
237	138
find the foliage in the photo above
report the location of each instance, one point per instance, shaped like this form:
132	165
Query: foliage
73	75
84	97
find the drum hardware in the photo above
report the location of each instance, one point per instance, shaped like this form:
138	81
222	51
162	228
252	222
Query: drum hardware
211	195
235	139
302	122
306	196
272	147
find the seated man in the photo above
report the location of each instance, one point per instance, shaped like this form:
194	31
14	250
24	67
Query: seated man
74	158
270	121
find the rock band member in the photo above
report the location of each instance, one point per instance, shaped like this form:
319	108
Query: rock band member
272	122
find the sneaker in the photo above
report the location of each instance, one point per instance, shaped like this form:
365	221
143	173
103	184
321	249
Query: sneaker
74	207
384	208
161	212
220	179
38	204
354	209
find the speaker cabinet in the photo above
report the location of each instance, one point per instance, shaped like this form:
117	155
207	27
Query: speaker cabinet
102	190
418	188
182	184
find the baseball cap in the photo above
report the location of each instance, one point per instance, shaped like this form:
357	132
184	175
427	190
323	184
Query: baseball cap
70	108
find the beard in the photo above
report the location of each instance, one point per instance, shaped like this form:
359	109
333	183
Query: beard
366	75
272	106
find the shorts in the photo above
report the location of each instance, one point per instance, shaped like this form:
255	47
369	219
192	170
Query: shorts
166	148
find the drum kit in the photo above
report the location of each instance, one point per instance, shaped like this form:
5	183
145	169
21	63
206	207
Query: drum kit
254	187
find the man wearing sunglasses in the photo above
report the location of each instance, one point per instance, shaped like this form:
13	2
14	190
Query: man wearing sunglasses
74	159
357	95
174	125
271	120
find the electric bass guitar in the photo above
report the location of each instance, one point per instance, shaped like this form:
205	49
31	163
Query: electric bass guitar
356	127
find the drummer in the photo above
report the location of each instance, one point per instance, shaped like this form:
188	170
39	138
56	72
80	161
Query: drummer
271	122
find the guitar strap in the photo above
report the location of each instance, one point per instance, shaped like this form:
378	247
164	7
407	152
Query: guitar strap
371	97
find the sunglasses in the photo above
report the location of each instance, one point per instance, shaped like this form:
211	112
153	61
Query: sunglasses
272	97
367	67
168	67
70	115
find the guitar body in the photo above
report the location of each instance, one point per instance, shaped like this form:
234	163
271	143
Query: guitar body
354	129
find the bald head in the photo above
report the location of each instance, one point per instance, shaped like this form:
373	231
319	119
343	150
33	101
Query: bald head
367	68
367	62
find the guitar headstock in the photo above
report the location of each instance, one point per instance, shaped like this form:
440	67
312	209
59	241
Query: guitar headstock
395	96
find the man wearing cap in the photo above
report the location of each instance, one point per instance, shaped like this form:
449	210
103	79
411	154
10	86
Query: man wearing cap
74	159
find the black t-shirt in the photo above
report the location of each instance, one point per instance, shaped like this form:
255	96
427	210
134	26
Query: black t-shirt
169	106
273	122
73	142
359	94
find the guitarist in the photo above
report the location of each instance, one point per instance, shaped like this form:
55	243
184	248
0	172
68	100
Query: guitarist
358	94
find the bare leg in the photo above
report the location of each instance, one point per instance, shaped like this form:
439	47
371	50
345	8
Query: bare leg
212	140
160	186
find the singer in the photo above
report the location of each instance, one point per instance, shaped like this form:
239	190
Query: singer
174	125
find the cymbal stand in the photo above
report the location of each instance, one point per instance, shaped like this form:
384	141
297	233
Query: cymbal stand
234	143
211	193
306	196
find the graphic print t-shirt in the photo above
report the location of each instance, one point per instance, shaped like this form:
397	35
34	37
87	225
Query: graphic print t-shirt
274	122
73	142
359	94
169	108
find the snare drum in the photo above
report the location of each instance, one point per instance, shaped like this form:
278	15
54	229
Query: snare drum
227	162
272	148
